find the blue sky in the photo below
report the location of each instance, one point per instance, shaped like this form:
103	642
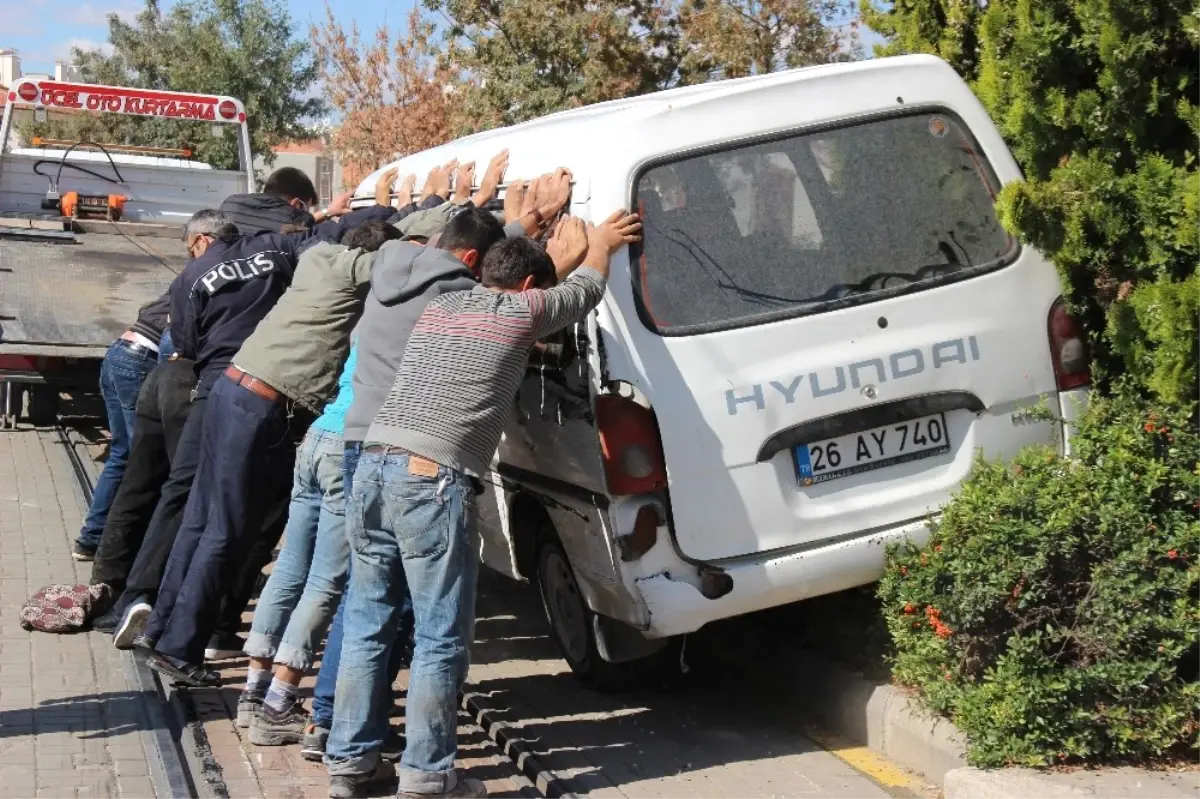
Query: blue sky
45	30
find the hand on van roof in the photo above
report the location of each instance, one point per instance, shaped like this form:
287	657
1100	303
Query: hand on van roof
404	194
492	179
464	177
548	194
514	200
567	246
620	229
383	186
438	181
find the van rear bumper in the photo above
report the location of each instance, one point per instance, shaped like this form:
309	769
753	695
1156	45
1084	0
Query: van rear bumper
677	607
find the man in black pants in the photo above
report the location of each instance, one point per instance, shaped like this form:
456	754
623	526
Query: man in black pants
162	411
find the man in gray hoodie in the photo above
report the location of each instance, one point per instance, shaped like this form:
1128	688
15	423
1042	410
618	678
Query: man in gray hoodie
406	278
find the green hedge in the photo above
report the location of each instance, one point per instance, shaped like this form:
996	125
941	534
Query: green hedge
1053	614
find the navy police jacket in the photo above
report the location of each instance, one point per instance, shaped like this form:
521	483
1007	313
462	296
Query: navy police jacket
220	297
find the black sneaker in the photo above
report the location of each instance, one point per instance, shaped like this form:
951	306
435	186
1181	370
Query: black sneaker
109	621
224	646
356	786
312	745
189	674
393	745
132	624
273	727
83	553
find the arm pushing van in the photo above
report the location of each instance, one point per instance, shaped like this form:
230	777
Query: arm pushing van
823	327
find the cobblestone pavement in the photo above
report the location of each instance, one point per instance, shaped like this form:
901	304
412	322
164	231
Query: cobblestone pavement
69	724
278	771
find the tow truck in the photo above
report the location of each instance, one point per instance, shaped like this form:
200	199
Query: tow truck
90	232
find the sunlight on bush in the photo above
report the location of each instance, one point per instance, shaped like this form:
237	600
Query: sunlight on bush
1053	615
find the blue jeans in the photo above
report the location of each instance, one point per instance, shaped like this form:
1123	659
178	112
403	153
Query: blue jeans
412	532
303	590
326	687
166	347
122	373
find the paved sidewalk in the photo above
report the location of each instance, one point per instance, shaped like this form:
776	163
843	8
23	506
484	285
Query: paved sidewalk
69	724
715	736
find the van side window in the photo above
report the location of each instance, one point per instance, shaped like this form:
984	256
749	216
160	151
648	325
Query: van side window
814	222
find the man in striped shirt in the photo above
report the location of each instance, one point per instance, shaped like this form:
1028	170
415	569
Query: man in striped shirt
418	477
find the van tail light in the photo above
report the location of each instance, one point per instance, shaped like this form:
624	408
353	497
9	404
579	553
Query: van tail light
629	446
1068	349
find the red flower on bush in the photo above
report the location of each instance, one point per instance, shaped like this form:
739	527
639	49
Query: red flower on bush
1149	427
903	571
1172	553
909	608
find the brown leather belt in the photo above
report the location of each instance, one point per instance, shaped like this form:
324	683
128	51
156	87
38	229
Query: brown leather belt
254	385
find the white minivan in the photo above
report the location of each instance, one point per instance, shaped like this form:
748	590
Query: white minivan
822	329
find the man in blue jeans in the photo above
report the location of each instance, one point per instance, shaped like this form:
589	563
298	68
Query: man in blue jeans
122	372
305	586
411	512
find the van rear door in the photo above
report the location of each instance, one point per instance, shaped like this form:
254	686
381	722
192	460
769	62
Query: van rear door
832	324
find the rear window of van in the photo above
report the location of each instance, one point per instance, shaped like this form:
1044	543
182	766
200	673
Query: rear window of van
814	222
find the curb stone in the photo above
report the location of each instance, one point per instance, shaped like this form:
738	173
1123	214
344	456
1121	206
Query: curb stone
881	717
1117	783
888	721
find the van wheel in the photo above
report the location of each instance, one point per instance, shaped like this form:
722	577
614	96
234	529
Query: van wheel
571	624
43	405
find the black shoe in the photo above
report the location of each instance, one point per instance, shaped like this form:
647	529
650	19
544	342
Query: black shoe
224	646
393	745
144	643
133	622
83	553
188	674
273	727
108	622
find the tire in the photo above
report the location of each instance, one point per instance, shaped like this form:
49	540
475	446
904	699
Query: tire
43	405
570	622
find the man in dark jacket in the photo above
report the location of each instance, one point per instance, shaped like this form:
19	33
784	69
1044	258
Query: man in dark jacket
286	199
146	529
122	372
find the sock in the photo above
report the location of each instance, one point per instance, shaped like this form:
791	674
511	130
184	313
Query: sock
281	695
257	681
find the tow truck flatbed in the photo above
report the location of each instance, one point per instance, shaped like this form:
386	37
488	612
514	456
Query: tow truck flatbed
63	299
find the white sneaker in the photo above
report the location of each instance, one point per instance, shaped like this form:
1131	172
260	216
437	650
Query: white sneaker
132	624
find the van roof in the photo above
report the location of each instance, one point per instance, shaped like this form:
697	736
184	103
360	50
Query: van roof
619	133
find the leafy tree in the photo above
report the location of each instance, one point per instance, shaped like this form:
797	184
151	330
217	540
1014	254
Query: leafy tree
733	40
945	28
1096	98
521	59
390	94
241	48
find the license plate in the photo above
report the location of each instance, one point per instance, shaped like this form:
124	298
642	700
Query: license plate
855	453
